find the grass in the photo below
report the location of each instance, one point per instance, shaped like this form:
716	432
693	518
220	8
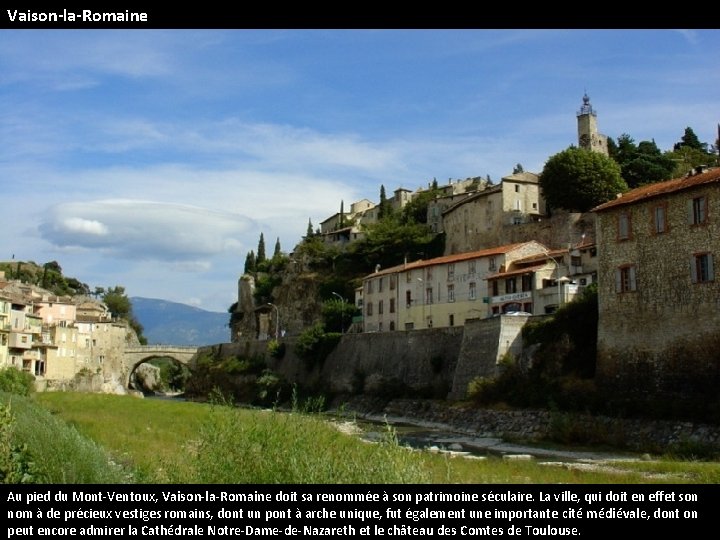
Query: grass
180	442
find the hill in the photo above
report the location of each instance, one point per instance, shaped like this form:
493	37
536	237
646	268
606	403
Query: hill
179	324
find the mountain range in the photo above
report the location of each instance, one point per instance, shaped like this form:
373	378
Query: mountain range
172	323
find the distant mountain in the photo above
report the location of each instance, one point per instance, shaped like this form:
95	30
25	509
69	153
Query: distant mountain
172	323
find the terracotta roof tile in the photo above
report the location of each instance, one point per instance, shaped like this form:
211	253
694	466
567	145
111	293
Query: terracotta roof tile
662	188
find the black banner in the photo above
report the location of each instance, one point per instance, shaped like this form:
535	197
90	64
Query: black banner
357	510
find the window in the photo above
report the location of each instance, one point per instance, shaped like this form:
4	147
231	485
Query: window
697	211
392	305
392	326
392	282
527	280
451	293
369	286
495	288
491	263
659	219
408	299
517	188
625	280
451	320
451	272
517	221
380	326
510	285
428	274
380	284
471	267
623	226
368	309
473	291
380	307
701	268
429	295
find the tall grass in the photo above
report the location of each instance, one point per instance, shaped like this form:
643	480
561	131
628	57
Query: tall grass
58	453
180	442
268	447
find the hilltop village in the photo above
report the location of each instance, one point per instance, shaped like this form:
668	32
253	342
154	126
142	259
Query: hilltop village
437	323
649	253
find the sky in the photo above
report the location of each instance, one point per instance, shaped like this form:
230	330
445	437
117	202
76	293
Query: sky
154	159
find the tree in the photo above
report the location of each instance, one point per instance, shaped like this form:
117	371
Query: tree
518	169
577	179
276	252
642	163
250	265
342	214
120	307
260	258
309	233
384	206
690	140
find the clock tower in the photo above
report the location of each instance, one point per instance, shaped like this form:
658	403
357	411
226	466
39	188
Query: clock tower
588	136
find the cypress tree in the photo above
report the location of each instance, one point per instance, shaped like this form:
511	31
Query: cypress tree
261	250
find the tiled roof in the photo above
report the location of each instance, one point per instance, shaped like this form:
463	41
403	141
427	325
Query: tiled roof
662	188
449	259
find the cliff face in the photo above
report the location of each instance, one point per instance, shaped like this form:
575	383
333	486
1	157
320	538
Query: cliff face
295	299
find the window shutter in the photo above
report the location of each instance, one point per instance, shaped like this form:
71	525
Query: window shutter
711	270
633	282
690	212
618	280
693	269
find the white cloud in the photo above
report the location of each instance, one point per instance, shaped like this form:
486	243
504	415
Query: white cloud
140	229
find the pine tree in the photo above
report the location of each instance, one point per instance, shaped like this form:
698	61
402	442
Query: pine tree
277	252
342	214
383	206
309	233
250	262
690	140
261	250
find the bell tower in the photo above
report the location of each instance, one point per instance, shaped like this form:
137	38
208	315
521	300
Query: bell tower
588	136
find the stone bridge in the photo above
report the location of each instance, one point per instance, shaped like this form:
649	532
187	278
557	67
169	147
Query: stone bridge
134	356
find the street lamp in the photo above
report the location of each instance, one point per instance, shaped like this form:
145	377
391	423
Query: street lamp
277	320
342	313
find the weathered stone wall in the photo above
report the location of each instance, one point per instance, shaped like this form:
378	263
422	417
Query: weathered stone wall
662	337
484	344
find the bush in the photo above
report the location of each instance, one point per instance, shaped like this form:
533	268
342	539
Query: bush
276	349
14	381
314	345
16	466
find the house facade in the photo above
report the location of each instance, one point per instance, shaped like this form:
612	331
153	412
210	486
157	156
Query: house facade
440	292
659	297
481	219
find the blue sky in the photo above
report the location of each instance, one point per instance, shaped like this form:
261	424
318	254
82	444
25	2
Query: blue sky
154	159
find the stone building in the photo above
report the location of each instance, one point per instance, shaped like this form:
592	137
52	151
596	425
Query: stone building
440	292
659	301
482	219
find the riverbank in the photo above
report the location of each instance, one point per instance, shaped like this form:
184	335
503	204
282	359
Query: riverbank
493	428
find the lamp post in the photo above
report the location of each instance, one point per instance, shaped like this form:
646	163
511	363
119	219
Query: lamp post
342	313
277	320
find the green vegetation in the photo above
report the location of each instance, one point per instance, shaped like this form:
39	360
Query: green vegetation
577	179
315	344
14	381
180	442
562	367
48	276
38	447
642	163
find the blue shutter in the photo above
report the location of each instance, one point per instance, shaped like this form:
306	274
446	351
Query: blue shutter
633	281
618	280
690	212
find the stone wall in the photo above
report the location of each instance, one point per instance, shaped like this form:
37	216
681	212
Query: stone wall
663	336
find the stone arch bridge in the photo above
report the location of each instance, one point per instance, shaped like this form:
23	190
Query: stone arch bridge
134	356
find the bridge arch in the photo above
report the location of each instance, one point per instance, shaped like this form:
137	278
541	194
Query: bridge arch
134	356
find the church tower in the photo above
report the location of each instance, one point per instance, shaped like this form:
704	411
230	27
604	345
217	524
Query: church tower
588	136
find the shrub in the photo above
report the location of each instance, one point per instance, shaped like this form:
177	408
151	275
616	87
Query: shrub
16	466
314	345
17	382
276	349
